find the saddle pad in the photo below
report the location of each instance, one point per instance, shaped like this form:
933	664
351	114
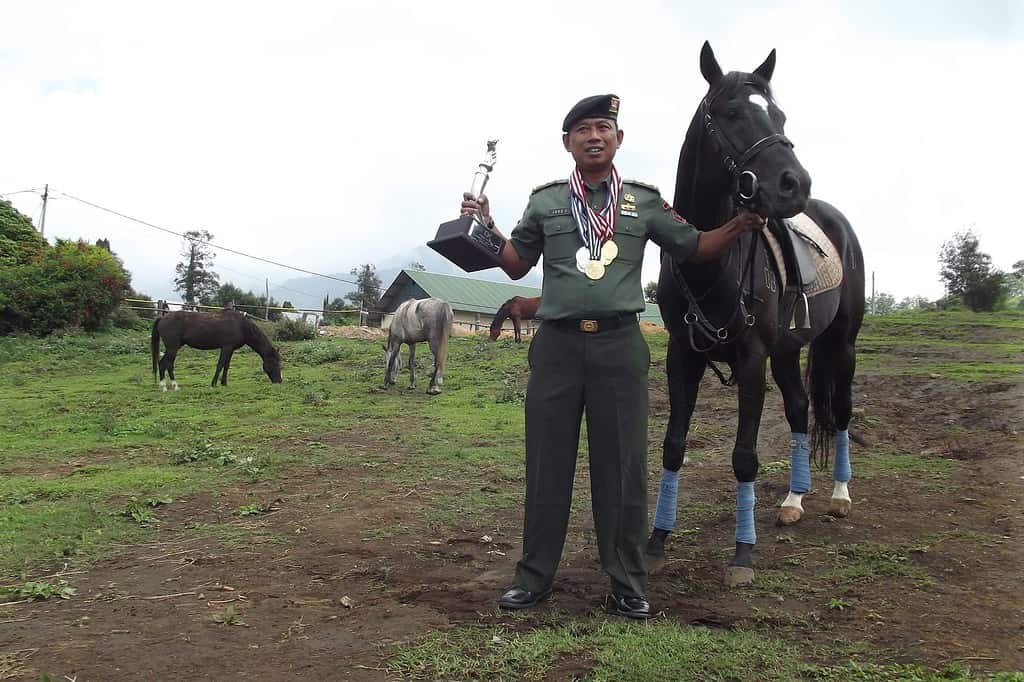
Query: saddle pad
827	267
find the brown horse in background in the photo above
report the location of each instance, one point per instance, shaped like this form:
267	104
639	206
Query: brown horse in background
227	331
519	309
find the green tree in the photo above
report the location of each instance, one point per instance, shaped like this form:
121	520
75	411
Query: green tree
417	266
914	303
195	279
19	240
1015	280
967	273
651	292
367	291
883	304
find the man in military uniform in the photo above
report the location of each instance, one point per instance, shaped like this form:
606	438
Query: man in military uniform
589	355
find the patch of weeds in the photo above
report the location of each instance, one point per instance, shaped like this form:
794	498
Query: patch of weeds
869	561
778	467
256	509
315	398
838	604
16	379
140	512
513	389
205	450
228	617
39	591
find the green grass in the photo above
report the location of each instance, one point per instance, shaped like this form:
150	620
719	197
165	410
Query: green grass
85	428
622	652
884	461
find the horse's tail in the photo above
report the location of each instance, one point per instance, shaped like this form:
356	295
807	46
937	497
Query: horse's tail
154	346
824	357
445	317
500	317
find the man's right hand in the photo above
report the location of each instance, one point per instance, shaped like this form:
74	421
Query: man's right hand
744	221
471	204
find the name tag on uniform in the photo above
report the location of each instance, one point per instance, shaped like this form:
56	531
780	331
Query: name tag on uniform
558	211
629	209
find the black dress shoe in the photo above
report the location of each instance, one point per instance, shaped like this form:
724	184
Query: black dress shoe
518	598
631	607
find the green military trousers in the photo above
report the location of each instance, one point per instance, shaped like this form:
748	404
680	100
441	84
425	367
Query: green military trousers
602	374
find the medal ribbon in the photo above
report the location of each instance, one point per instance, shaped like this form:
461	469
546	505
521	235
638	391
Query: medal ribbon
595	227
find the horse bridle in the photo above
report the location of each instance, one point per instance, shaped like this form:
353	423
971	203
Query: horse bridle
735	161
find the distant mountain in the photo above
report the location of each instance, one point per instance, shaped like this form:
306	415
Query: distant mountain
308	292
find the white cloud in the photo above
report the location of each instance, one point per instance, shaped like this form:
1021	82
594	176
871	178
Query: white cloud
324	134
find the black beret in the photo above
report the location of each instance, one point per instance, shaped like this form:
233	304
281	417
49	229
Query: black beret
597	106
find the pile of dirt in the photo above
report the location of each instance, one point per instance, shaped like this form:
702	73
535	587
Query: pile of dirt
351	332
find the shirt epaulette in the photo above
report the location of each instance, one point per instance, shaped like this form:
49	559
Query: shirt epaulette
549	184
653	188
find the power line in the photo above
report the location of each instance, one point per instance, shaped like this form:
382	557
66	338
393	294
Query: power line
203	241
20	191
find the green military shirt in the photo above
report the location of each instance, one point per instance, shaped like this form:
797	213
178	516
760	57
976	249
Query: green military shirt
548	227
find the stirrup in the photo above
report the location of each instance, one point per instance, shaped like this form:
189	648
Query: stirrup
807	314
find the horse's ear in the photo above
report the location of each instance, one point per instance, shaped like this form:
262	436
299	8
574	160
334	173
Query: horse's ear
766	69
709	67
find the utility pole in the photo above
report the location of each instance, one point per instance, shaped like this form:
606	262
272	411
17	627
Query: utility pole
266	316
872	292
42	218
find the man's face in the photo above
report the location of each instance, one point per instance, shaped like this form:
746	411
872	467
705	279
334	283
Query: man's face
593	142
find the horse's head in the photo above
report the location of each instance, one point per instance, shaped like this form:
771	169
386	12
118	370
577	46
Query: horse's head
272	365
745	126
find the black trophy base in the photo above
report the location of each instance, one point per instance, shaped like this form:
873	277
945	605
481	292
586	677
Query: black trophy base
467	244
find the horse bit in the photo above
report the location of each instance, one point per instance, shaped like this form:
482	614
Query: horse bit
734	163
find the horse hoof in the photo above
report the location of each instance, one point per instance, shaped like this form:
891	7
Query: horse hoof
788	516
736	576
839	507
655	563
433	391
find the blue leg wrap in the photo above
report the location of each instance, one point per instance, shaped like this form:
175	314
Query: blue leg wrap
842	471
799	463
745	513
665	516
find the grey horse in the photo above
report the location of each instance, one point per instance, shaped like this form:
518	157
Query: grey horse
428	319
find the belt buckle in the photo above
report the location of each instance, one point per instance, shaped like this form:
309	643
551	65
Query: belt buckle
589	326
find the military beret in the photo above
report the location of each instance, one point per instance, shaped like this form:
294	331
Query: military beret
596	106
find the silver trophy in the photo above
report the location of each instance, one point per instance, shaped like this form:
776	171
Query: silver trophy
482	175
468	241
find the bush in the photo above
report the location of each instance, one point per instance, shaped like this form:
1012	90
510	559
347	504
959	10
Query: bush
125	318
293	330
73	284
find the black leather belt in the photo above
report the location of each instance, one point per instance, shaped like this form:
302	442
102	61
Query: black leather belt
594	325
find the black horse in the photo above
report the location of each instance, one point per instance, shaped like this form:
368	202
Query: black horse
735	311
227	331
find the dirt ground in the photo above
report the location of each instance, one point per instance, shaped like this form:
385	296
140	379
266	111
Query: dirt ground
321	599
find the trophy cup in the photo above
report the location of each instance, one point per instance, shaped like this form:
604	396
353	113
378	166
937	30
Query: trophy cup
468	241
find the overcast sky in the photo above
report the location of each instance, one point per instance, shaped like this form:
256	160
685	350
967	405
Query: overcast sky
328	134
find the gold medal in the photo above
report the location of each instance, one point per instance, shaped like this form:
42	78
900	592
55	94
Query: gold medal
609	250
595	269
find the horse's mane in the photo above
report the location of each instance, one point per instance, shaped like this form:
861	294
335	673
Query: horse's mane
688	201
501	315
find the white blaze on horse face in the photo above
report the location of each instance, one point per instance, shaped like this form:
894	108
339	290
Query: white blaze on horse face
759	100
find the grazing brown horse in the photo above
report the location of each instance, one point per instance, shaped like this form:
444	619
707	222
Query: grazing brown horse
227	331
519	309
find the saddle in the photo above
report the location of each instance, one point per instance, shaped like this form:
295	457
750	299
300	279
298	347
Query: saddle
807	261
